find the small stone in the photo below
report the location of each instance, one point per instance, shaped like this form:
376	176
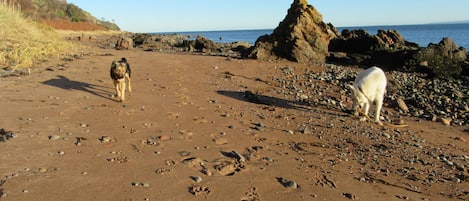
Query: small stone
402	105
207	172
445	121
106	139
164	137
291	184
145	184
350	196
42	170
259	128
196	179
54	137
184	153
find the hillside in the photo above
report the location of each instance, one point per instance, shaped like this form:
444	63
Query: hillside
26	43
61	15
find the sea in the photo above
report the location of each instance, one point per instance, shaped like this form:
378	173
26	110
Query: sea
422	34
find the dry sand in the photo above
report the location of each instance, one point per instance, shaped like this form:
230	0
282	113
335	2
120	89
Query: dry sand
189	132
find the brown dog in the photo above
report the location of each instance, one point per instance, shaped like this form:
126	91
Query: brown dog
120	74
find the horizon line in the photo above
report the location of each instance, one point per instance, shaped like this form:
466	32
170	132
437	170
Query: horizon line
347	26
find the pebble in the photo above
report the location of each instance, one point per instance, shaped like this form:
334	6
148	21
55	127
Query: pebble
42	170
144	184
207	172
445	121
54	137
196	179
291	184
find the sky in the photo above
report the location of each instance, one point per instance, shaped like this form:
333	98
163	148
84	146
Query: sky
144	16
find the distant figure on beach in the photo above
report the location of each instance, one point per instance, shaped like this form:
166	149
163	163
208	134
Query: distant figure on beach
220	38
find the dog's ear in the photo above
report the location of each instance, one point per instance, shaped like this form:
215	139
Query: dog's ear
352	89
114	64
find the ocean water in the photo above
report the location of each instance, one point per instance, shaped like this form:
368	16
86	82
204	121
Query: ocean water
420	34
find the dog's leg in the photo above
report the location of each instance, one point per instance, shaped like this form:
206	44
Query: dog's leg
116	86
366	108
122	87
128	80
379	104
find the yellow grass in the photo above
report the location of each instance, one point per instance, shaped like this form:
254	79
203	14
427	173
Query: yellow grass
24	43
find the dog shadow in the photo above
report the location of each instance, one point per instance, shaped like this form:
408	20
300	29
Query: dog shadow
251	97
67	84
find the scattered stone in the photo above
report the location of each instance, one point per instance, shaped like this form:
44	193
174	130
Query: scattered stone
207	172
164	137
287	183
106	139
200	190
220	140
6	135
54	137
184	153
445	121
350	196
402	105
238	156
43	170
196	179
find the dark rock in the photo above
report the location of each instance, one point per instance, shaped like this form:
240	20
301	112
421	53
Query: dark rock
391	51
302	36
124	43
444	59
205	45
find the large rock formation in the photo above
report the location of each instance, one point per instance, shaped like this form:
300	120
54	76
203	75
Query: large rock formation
390	50
444	59
302	36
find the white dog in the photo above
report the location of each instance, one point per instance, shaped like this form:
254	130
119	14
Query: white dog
369	87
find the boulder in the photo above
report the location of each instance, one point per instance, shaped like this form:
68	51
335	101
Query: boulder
391	51
124	43
205	45
444	59
302	37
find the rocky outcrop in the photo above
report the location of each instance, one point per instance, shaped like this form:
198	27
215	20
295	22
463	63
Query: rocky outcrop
302	36
444	59
360	41
391	51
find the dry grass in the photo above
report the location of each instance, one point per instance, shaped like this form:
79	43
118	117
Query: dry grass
24	43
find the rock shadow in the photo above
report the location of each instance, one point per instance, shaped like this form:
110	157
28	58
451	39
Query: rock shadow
264	100
67	84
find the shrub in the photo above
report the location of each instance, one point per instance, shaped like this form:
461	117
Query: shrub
25	43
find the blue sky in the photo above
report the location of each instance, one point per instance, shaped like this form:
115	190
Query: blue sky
205	15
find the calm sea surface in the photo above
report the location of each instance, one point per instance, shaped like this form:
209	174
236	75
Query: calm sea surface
420	34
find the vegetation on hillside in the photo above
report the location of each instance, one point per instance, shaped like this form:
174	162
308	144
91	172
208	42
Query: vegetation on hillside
60	12
24	42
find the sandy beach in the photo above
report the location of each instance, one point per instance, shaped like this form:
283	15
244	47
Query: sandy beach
211	128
